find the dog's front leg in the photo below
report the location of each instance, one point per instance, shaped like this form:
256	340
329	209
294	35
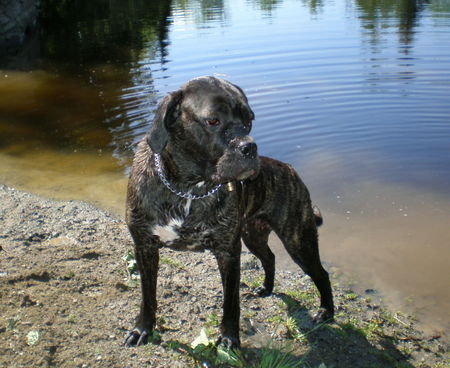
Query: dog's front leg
147	259
229	267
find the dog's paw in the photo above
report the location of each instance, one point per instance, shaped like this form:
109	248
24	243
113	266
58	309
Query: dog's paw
228	342
262	291
136	337
323	315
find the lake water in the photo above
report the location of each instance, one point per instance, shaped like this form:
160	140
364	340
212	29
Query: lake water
354	93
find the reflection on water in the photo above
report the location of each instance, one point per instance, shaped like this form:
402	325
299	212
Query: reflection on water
44	110
353	93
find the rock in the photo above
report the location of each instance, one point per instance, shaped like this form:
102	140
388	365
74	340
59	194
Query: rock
17	19
371	291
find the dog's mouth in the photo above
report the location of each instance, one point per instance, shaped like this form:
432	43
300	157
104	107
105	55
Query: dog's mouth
228	172
248	174
240	161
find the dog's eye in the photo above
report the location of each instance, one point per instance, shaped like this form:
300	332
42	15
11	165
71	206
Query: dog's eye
213	122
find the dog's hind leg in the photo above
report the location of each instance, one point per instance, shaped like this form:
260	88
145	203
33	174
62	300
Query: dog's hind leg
302	246
255	235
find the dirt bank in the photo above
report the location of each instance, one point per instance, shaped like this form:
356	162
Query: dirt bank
67	300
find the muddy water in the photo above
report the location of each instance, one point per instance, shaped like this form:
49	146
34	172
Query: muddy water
80	176
407	231
54	141
391	239
354	94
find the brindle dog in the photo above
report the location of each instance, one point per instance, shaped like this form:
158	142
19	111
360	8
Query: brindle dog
197	183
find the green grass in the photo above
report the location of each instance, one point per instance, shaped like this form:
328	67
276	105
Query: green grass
276	318
171	262
250	313
351	296
372	328
213	319
306	297
12	322
277	358
294	331
256	282
368	329
212	323
270	356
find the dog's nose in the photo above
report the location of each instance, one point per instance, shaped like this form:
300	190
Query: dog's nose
248	149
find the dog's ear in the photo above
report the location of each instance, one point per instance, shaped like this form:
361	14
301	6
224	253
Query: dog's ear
166	114
252	114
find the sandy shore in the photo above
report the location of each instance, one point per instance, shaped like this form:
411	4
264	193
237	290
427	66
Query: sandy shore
67	300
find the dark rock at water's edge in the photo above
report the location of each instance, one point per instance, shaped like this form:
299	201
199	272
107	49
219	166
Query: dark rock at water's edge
18	21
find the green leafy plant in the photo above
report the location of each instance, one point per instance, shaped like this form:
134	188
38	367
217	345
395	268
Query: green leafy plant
293	329
12	322
131	267
205	353
277	357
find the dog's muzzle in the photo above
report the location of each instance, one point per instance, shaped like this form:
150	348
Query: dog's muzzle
240	161
248	149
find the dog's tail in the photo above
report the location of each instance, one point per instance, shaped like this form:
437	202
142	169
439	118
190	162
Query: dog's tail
317	216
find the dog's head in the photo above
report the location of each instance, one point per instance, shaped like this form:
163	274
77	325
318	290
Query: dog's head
208	121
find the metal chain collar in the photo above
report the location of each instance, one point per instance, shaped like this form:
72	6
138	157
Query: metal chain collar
163	178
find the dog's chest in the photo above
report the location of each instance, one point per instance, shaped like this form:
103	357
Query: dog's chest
184	228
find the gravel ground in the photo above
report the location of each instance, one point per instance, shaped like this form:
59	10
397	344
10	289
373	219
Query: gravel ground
67	299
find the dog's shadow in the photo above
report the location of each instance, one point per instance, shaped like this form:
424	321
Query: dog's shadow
305	344
336	344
